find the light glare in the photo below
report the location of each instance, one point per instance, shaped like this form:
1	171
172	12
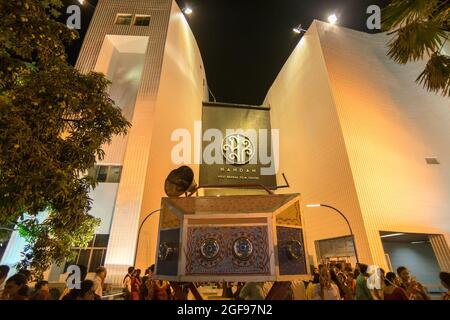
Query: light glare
188	11
332	19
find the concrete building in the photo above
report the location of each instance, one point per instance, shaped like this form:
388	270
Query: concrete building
367	140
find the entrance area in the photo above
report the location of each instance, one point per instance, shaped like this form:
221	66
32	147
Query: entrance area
336	250
415	252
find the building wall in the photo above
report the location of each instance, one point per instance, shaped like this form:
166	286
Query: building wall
136	150
390	125
362	128
182	90
312	149
419	259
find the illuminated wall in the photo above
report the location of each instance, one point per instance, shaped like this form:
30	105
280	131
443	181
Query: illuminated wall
362	129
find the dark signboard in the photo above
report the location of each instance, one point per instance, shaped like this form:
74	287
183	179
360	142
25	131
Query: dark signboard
237	146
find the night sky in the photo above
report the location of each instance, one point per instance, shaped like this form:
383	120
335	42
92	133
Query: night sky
244	43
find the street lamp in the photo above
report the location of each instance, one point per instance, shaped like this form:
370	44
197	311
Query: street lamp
139	233
346	220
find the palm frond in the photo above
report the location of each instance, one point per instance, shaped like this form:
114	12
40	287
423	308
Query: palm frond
416	39
436	76
401	12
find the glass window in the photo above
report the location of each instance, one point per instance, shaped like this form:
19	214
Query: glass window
124	19
101	240
102	173
96	259
142	21
114	174
83	257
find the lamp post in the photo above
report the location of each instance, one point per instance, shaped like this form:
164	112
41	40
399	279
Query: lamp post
139	233
346	220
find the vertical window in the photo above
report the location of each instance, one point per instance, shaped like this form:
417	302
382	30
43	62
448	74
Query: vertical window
142	21
102	174
114	174
93	256
124	19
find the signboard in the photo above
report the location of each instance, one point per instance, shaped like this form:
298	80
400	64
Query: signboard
237	146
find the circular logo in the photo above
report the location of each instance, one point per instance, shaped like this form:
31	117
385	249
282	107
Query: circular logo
243	248
294	249
209	249
238	149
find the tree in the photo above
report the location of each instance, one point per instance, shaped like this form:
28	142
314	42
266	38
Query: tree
420	29
53	123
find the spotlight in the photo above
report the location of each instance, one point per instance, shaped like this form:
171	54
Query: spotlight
298	29
187	10
332	19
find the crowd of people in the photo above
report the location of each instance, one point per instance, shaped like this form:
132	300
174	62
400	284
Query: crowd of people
328	282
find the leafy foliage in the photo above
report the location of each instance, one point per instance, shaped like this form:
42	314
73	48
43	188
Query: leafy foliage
420	29
53	123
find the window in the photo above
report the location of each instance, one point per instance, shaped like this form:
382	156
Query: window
93	256
106	174
142	21
124	19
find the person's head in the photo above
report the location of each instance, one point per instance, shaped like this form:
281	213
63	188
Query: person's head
41	285
350	276
16	285
86	291
26	273
363	268
316	278
152	269
315	271
3	273
130	270
391	279
403	273
342	277
101	272
445	279
137	272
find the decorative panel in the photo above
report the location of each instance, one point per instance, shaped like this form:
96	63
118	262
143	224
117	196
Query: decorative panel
291	251
227	251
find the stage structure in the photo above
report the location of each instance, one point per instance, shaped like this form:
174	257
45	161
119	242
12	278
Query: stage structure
231	238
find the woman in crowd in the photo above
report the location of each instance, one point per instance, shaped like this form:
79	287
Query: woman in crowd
310	289
392	290
136	284
327	289
445	280
414	289
16	288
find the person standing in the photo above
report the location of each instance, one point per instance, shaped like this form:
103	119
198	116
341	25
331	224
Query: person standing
327	289
16	288
252	291
4	270
445	280
362	290
136	283
41	291
126	284
414	289
99	282
392	290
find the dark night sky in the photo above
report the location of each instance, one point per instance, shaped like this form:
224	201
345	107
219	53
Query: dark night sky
244	43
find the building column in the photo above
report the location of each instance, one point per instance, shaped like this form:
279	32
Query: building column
442	251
